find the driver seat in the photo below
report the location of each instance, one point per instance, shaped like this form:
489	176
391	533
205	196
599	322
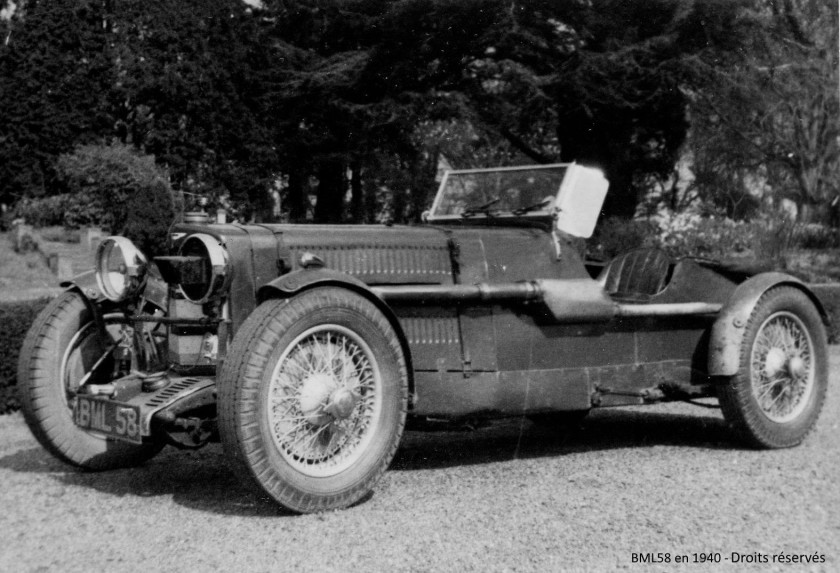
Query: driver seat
638	275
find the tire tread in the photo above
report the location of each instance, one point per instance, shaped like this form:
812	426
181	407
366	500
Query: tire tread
735	395
239	385
35	381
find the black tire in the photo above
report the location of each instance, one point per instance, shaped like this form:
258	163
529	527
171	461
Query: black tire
46	357
776	397
273	387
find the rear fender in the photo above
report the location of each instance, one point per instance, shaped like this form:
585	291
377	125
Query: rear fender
299	281
728	330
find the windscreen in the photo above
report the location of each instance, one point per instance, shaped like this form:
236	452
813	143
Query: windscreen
499	192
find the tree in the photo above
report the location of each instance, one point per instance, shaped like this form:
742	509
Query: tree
768	112
322	125
179	80
56	77
594	82
189	78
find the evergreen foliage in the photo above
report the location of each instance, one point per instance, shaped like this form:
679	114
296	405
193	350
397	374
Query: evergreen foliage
368	95
116	187
55	90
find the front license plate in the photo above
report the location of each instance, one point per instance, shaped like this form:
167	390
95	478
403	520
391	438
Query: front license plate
113	419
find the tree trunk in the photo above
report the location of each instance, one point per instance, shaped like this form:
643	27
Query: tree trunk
331	189
622	199
357	199
422	185
296	196
370	207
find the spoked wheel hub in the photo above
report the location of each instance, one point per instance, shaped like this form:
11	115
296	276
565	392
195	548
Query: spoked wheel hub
323	399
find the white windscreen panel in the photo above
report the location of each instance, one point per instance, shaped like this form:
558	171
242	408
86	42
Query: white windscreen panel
580	199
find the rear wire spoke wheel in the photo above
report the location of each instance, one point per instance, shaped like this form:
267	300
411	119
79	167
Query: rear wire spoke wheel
60	348
313	399
775	399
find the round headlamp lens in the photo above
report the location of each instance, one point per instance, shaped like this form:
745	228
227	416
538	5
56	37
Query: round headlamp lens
120	268
214	276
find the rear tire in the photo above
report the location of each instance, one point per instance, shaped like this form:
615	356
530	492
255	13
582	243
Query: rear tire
776	397
58	350
313	399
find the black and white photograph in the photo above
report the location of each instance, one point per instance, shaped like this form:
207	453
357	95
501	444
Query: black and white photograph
419	285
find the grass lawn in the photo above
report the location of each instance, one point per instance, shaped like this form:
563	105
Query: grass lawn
23	276
27	276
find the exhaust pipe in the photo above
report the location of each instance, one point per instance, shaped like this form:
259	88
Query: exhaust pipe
566	300
512	293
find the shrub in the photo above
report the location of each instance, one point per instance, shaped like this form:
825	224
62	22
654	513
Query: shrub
16	319
121	190
812	236
42	211
60	235
616	235
829	294
689	234
24	241
763	240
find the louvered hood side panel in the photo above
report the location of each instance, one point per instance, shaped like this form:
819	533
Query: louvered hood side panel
375	254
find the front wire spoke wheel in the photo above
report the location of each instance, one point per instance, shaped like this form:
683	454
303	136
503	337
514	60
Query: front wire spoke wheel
87	355
323	414
313	399
62	350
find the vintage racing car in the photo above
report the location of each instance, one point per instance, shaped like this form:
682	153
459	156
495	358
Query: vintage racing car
304	348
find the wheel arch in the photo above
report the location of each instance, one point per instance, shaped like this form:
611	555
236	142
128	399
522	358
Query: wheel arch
156	290
297	282
728	329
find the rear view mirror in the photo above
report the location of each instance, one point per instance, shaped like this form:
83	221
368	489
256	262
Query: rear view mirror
580	199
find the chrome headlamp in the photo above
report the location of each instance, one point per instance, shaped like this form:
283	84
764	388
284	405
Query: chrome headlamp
214	276
120	268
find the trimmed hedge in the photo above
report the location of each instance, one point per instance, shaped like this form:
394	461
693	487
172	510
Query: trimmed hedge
15	318
829	294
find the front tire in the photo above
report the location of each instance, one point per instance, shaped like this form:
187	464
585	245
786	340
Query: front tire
59	349
313	399
776	397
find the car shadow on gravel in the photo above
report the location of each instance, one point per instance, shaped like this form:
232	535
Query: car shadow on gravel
197	479
201	479
520	438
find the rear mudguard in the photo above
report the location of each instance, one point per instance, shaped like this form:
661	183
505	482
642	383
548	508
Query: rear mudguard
728	330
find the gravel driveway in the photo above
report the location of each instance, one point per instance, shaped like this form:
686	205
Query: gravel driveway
508	497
